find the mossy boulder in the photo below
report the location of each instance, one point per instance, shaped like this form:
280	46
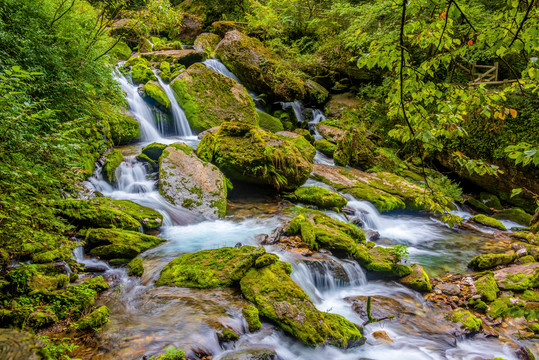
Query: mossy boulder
155	92
148	217
417	280
224	26
316	93
95	320
135	267
124	129
490	200
154	151
487	288
518	277
251	315
248	154
259	68
188	181
121	51
330	133
206	269
478	205
325	147
517	215
154	166
93	214
176	57
281	300
144	46
269	123
135	60
318	196
386	262
384	190
119	244
487	221
488	261
141	74
206	42
112	160
467	320
209	98
354	148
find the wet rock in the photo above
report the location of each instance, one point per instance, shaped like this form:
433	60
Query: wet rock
382	336
112	160
449	289
418	280
274	236
522	252
17	345
318	196
253	155
251	354
488	261
518	277
186	180
468	321
119	244
190	27
382	307
330	133
487	288
348	211
154	150
325	147
210	98
371	234
147	217
136	267
517	215
175	57
487	221
358	222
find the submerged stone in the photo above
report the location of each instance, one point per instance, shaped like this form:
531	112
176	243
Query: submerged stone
188	181
248	154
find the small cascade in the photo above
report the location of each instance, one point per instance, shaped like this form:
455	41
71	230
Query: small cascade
181	124
218	66
318	116
141	111
91	264
297	106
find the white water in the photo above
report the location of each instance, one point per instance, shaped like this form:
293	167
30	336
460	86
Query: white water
297	106
141	111
318	116
181	124
218	66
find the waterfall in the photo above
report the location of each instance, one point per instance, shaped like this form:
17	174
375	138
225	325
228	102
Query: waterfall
180	120
297	106
219	67
318	115
141	111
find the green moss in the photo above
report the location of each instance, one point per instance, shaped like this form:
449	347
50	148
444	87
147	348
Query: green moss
490	200
144	46
265	260
137	60
95	320
487	288
498	308
121	51
114	244
325	147
206	42
112	161
210	268
487	221
269	123
227	335
517	215
97	284
141	74
282	301
478	205
250	313
145	159
124	129
417	280
530	295
135	267
154	151
479	305
92	214
209	98
322	198
488	261
154	91
148	217
379	198
520	281
467	320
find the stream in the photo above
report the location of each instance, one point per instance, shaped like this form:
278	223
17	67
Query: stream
146	319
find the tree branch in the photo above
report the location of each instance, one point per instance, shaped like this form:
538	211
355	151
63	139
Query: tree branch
523	21
55	19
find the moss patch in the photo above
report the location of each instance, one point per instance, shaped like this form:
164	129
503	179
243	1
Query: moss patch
148	217
487	221
467	320
320	197
250	313
487	288
154	150
124	129
112	161
156	92
135	267
269	123
517	215
488	261
325	147
141	74
119	244
95	320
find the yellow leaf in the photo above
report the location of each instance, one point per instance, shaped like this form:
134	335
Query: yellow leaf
513	112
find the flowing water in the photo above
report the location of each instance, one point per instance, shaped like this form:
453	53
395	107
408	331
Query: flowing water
181	125
146	319
297	107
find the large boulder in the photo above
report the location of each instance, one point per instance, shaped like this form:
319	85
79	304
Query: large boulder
210	98
155	92
182	57
206	42
259	68
112	160
119	244
186	180
190	27
148	217
245	153
123	129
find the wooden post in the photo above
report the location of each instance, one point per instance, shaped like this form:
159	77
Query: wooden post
496	72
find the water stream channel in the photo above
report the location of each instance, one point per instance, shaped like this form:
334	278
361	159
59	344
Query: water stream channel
146	319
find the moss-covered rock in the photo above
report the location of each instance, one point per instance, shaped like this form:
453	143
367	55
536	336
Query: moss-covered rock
112	160
209	98
135	267
144	46
155	92
119	244
325	147
269	123
281	300
148	217
355	149
467	320
224	26
89	214
318	196
188	181
487	221
135	60
385	261
154	166
490	200
124	129
253	155
498	308
316	93
417	280
179	57
487	288
154	151
479	206
517	215
141	74
121	51
210	268
259	68
95	320
488	261
518	277
206	42
250	313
